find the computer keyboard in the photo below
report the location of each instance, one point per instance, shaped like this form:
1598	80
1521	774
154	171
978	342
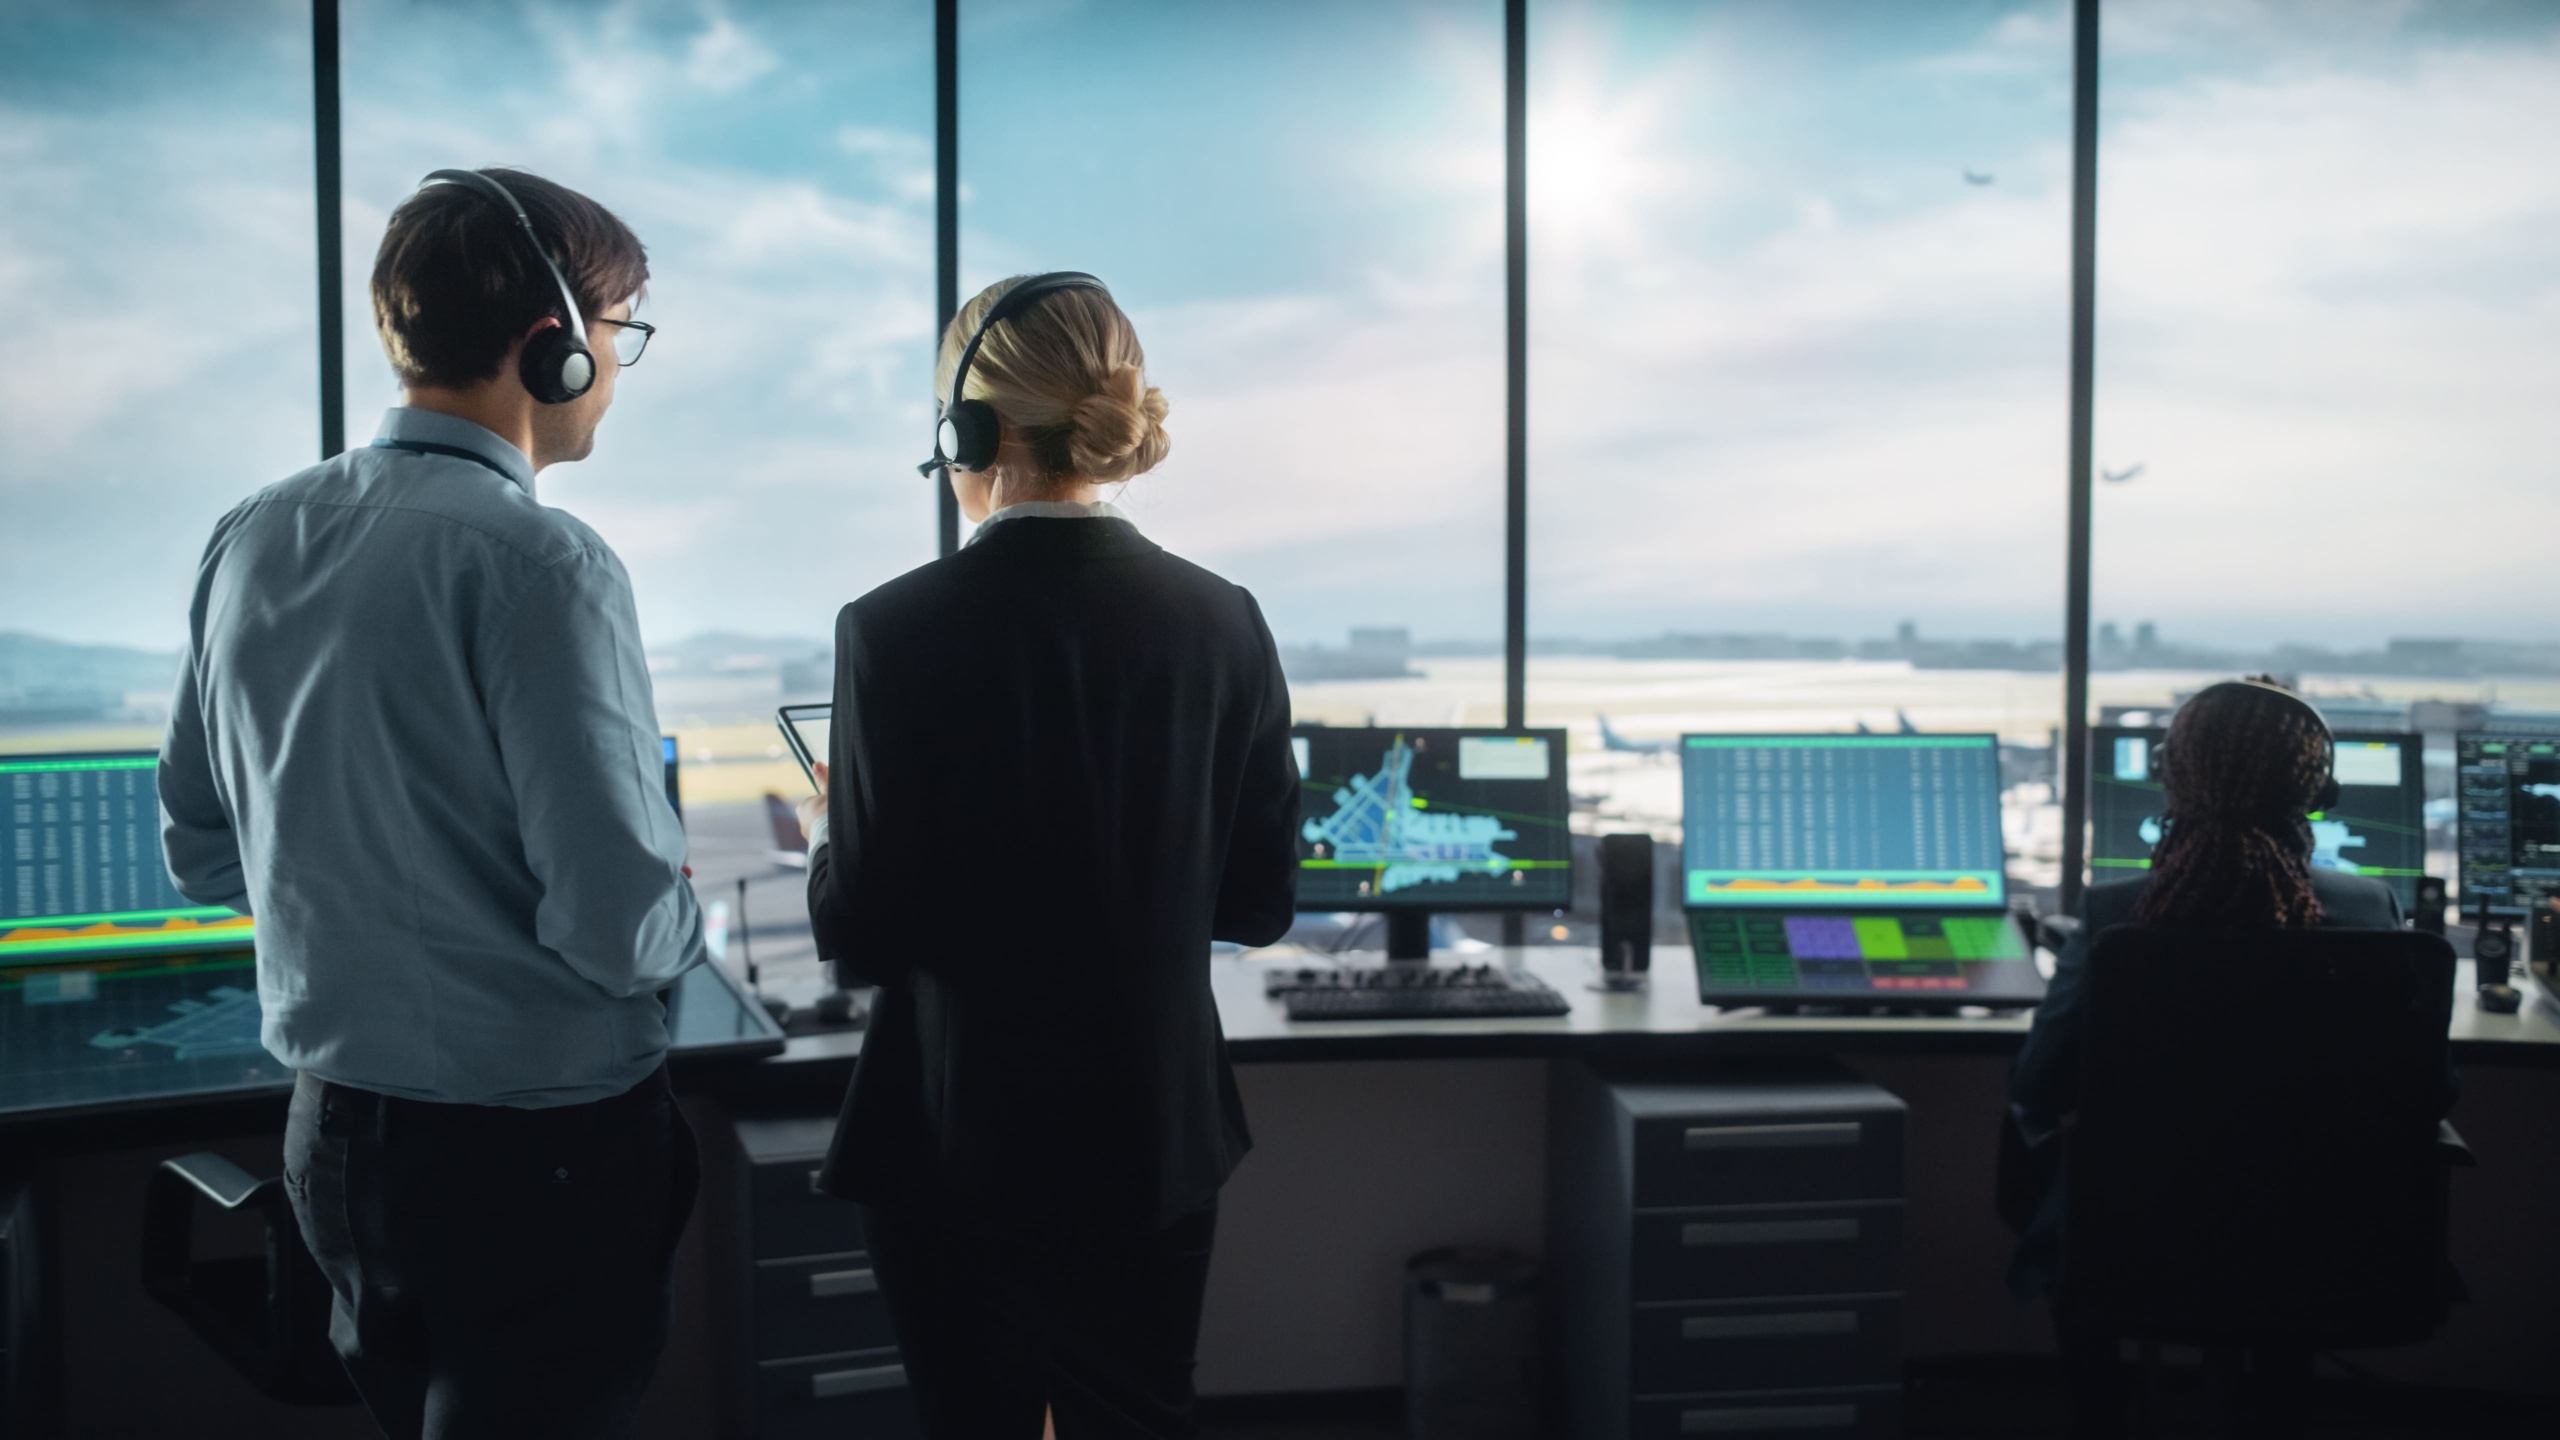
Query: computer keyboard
1410	992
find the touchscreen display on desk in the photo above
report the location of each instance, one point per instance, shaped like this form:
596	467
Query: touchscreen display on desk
1886	958
84	871
1829	869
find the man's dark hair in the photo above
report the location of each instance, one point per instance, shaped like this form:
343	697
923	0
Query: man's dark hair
454	283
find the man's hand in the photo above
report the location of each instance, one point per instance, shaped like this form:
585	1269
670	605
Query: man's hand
813	806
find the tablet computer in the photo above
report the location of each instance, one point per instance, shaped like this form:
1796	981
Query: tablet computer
804	729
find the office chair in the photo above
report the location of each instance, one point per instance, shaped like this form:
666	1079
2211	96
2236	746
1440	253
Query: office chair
268	1315
2258	1167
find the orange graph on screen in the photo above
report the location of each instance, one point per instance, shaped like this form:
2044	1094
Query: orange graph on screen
179	925
1961	885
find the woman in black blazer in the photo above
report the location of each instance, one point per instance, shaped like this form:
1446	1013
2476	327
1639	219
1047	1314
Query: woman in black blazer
1059	769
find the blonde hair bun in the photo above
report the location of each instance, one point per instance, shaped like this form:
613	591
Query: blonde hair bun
1069	374
1117	432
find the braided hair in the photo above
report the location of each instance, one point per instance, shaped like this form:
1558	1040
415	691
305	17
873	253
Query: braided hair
2241	768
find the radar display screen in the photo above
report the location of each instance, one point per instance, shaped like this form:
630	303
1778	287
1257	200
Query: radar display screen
2510	826
1441	819
2377	829
85	873
1842	821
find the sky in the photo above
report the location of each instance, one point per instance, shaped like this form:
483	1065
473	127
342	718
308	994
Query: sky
1790	369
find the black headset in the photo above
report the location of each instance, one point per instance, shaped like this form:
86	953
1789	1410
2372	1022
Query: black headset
556	366
2328	792
969	433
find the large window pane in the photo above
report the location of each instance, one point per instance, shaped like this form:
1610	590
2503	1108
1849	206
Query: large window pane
2328	346
758	468
1798	329
157	333
1301	208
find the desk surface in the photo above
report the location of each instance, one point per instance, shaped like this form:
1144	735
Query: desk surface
1666	1020
165	1030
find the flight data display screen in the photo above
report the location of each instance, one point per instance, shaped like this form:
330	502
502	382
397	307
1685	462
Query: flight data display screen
1439	819
2510	825
85	873
1901	957
2377	829
1841	821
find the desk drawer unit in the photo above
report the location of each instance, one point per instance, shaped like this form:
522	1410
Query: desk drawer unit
814	1330
1757	1344
1748	1251
818	1306
1856	1414
858	1395
1725	1253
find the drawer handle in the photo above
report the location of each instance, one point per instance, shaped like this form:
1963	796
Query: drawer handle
828	1284
1765	1232
1768	1417
1771	1137
1754	1327
833	1384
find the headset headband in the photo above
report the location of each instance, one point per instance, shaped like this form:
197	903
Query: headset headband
1013	302
2327	795
474	180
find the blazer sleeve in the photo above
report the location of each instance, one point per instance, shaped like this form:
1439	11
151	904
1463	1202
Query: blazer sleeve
1258	890
847	883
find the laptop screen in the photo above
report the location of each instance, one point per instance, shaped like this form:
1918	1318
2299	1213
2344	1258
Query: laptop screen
1841	822
84	871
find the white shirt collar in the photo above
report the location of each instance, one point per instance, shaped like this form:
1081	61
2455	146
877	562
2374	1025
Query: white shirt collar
1047	510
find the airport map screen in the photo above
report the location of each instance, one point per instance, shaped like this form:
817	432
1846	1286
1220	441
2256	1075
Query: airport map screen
1443	819
2510	825
1901	821
2377	828
85	873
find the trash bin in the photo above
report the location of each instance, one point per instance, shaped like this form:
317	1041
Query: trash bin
1470	1344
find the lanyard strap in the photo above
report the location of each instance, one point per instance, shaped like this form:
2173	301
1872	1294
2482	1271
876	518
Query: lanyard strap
429	447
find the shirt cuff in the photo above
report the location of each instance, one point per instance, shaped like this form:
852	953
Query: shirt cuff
817	837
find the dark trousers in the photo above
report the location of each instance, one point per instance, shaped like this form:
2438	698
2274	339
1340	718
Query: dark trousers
995	1322
496	1272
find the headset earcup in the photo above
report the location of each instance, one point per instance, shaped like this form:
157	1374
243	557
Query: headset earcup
2327	799
556	367
976	435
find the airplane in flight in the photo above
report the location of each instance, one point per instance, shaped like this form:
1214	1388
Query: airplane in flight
1978	177
1610	739
2118	477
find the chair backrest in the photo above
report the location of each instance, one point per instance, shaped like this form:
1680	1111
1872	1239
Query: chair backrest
2255	1153
268	1315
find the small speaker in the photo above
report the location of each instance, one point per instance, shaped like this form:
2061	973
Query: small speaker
2428	917
2542	940
2493	948
1626	904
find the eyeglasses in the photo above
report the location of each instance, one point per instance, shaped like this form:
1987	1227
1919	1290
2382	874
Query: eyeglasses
630	338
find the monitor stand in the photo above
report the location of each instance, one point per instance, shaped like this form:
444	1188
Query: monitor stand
1409	936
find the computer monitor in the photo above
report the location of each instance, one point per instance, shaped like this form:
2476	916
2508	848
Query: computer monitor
2378	828
668	761
1849	869
85	872
2510	825
1409	821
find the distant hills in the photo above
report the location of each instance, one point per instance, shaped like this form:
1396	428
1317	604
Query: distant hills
53	682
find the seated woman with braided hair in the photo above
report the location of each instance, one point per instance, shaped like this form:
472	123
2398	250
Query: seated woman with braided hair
2243	766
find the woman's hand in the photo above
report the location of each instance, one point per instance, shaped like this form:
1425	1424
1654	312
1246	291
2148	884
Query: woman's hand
813	807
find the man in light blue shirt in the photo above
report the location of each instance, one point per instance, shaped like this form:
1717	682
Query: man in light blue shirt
414	736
